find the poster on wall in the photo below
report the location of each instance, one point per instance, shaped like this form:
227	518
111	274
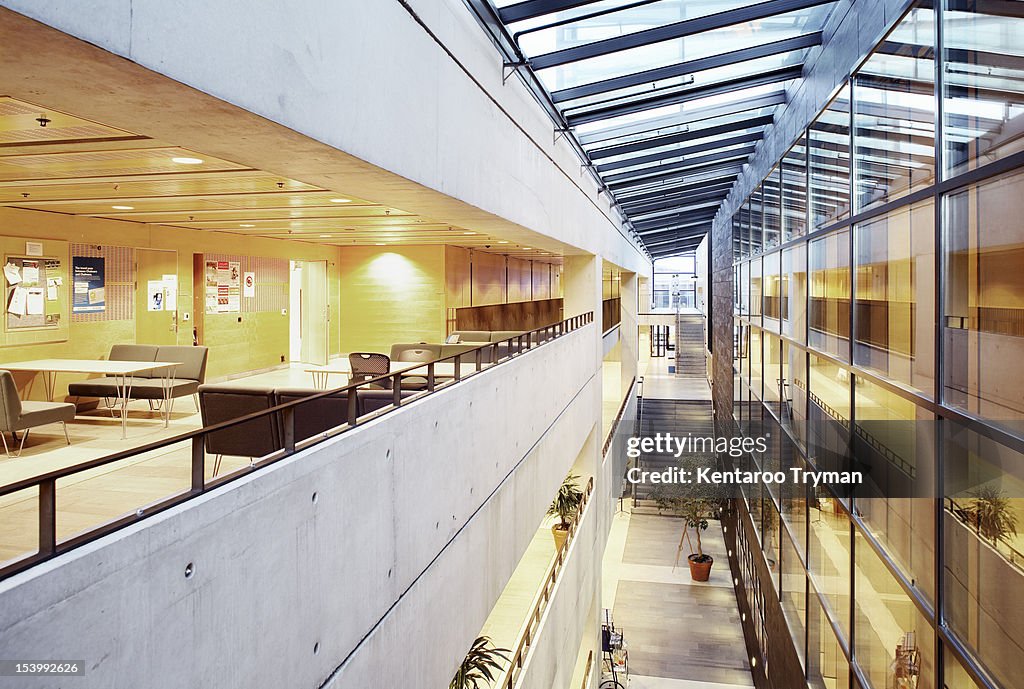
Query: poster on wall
89	284
223	287
249	285
155	294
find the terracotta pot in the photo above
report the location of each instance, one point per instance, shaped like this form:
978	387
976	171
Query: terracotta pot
700	571
561	536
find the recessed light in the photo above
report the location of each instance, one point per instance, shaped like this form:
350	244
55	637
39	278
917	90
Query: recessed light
380	243
340	200
187	161
469	233
324	236
123	208
526	248
502	241
246	225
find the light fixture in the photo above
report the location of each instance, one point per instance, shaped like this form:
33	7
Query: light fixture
469	233
340	200
324	236
526	248
123	208
185	160
246	225
753	661
502	241
380	243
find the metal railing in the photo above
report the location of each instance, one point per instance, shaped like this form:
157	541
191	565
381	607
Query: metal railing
540	603
1001	545
618	417
586	672
46	483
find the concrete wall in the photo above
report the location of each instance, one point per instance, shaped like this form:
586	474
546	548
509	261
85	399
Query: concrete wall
370	560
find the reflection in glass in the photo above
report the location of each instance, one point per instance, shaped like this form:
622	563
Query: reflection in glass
829	308
794	593
771	197
894	114
984	323
794	292
829	164
794	192
895	302
772	291
827	666
983	73
894	644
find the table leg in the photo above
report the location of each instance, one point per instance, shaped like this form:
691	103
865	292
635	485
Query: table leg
50	383
168	385
124	387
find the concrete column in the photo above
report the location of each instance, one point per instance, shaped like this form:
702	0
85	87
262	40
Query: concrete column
629	284
582	288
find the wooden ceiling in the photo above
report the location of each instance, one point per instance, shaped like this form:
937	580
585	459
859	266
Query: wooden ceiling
56	162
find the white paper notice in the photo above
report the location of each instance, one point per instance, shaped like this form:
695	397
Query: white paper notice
33	248
19	295
30	274
12	274
156	295
51	290
35	305
249	285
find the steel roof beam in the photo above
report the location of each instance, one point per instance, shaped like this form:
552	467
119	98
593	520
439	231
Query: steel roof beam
682	165
683	68
722	167
678	138
676	30
677	97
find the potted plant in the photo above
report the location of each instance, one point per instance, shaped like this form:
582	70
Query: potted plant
990	512
479	666
696	511
565	506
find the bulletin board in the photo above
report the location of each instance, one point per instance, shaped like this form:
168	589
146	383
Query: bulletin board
35	301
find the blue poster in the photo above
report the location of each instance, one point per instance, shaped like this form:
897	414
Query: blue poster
89	285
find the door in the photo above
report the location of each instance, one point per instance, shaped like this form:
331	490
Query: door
156	297
314	316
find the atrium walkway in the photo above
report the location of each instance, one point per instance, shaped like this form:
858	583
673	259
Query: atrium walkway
680	634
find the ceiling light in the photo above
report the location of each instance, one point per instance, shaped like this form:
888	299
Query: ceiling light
185	160
340	200
380	243
469	233
324	236
526	248
123	208
246	225
502	241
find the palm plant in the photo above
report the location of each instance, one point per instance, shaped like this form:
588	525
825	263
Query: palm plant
991	513
567	502
479	667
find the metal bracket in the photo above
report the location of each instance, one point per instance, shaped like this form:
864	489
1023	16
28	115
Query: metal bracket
510	68
559	133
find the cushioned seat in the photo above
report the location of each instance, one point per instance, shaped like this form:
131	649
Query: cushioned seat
41	413
16	415
374	400
317	416
141	388
254	438
477	336
148	385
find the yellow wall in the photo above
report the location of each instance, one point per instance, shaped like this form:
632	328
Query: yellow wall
488	279
261	335
390	295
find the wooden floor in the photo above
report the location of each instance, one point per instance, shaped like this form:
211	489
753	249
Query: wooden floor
92	498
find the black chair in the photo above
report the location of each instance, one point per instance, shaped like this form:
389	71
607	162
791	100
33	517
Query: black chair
255	438
318	416
369	365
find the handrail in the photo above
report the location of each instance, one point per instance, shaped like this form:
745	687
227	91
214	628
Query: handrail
618	417
586	672
1014	557
543	597
49	546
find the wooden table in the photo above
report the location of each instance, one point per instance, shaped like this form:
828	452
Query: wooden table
122	371
444	369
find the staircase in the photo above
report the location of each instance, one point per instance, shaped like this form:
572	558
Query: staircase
690	361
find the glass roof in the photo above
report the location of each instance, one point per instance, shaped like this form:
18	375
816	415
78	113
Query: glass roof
666	98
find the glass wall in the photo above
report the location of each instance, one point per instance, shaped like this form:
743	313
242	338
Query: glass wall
890	338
